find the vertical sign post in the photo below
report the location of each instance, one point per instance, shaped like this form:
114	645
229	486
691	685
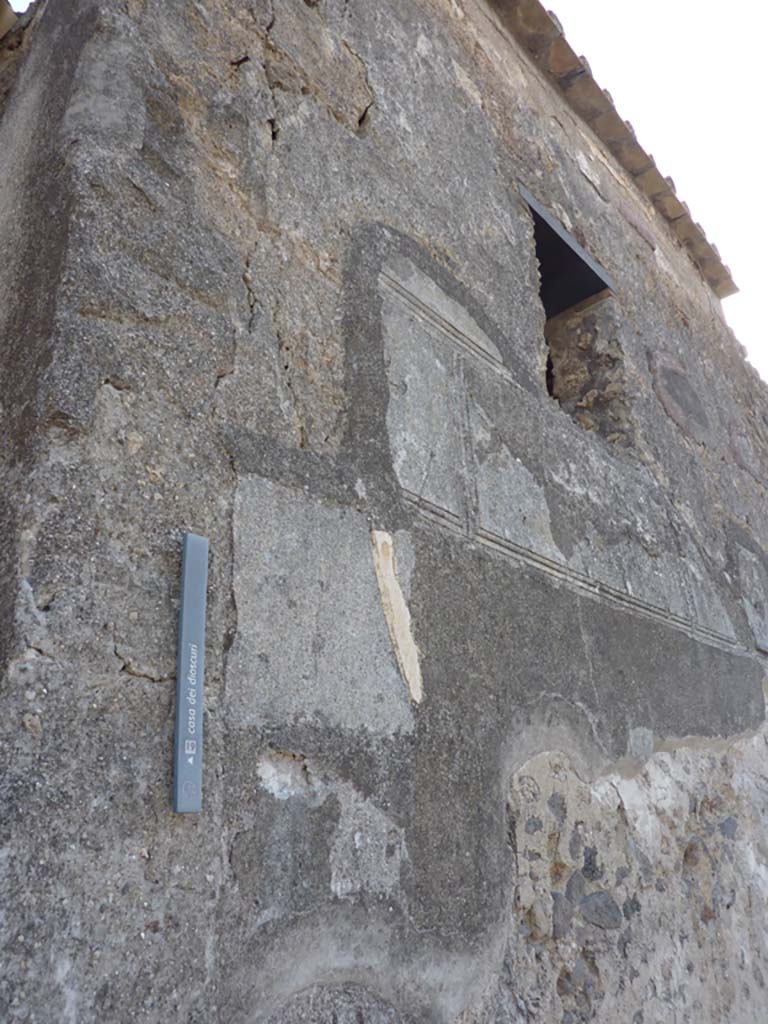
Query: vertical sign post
190	673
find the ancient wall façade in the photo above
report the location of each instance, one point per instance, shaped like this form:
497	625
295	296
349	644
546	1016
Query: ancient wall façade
485	726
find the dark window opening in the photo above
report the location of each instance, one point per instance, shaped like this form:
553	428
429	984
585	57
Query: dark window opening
568	274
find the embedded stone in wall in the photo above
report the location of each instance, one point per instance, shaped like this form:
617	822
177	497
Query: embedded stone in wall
748	452
637	892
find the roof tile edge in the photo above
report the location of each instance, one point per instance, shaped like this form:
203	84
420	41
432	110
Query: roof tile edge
7	18
540	34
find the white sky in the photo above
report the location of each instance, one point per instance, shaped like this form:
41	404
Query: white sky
690	77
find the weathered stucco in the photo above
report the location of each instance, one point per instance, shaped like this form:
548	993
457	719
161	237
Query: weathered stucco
485	720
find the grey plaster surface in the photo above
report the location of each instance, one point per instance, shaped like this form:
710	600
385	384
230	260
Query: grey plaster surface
423	419
754	583
298	561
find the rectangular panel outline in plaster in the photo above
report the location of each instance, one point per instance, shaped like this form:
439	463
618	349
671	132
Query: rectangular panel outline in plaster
590	586
443	518
463	344
566	236
190	677
601	591
444	329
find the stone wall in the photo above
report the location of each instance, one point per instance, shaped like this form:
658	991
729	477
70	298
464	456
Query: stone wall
484	710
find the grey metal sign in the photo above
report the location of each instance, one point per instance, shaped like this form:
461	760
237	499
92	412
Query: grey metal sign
190	673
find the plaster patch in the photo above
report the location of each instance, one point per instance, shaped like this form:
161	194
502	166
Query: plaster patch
283	775
640	743
312	641
512	504
708	609
368	848
423	420
397	613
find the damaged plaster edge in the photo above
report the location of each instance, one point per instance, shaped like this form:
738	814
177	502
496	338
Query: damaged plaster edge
397	613
707	744
284	774
591	765
634	764
715	744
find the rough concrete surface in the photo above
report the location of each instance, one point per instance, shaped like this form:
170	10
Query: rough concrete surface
485	719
